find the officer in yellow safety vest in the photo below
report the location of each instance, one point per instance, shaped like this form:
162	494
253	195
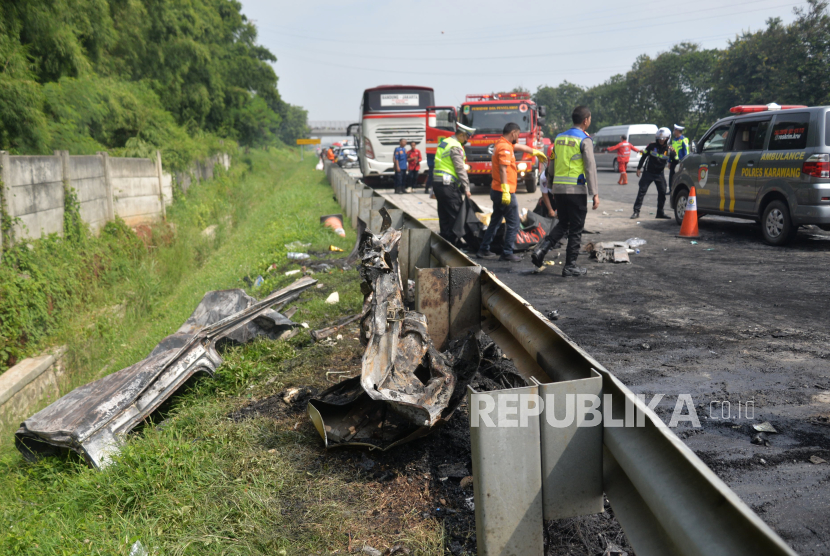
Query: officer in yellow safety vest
449	178
681	147
572	175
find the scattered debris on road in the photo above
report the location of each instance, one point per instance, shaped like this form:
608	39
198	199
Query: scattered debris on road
766	426
608	251
817	460
92	419
761	439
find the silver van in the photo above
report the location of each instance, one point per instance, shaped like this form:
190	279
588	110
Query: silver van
767	164
639	135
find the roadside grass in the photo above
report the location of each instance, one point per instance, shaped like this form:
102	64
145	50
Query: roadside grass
204	480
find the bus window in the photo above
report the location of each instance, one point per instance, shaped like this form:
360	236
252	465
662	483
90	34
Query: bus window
397	99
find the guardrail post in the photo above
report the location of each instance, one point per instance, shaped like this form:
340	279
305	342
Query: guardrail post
572	453
360	193
366	205
508	513
375	221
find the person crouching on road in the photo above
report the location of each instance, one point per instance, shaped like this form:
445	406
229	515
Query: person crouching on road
399	160
450	183
572	174
623	150
413	159
680	144
652	166
503	192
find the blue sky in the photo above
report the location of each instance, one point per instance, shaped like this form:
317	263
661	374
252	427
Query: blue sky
329	52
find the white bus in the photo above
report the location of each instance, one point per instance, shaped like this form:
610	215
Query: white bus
389	113
639	135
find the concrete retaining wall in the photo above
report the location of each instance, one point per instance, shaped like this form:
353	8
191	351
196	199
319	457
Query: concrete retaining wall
29	385
34	194
135	189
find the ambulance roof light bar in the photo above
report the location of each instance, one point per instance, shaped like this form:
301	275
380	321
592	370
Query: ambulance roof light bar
750	108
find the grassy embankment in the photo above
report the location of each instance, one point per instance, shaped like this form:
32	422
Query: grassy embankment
204	483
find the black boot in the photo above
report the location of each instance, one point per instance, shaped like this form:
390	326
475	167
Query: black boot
573	270
635	216
663	215
538	256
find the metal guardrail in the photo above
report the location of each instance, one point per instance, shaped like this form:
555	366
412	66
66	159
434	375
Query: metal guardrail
666	499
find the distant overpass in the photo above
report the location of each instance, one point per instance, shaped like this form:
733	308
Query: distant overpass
328	128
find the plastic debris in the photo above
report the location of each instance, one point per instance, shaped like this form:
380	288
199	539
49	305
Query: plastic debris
635	242
765	427
258	282
817	460
553	315
293	272
138	549
333	298
297	245
693	242
335	249
295	256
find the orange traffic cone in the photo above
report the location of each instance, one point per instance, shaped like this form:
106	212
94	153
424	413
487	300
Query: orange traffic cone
689	226
335	222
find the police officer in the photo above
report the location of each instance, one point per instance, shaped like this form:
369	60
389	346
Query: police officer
572	174
652	166
680	145
450	182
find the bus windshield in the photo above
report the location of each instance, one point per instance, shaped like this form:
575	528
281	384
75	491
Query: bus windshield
385	100
491	118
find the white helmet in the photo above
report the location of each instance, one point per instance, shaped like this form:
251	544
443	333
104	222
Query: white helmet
662	133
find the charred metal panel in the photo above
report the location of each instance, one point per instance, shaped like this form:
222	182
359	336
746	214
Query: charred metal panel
405	384
432	298
465	301
92	419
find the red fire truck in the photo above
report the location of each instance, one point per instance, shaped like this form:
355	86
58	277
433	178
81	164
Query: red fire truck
488	114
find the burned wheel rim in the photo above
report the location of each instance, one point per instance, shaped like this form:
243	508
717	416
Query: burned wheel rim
680	206
775	223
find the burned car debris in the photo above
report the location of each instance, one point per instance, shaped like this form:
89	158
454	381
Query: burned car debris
91	419
406	386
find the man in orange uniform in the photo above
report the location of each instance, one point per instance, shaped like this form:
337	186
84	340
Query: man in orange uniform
503	192
623	149
330	154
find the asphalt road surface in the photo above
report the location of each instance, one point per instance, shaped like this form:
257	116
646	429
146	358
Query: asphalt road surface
727	319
